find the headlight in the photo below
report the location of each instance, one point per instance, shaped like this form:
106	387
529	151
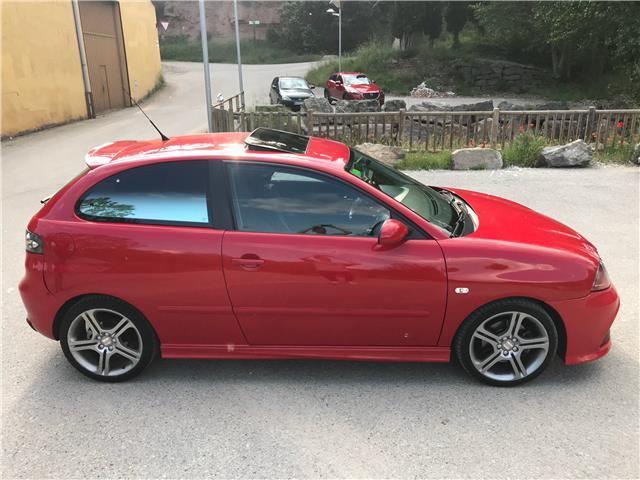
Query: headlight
602	280
285	97
33	243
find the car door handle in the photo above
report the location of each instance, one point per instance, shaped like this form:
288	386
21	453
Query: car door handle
248	263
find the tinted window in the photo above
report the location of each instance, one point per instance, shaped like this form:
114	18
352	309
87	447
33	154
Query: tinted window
173	192
278	199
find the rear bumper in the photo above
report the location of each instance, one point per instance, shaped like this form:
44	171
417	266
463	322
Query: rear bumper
41	306
587	322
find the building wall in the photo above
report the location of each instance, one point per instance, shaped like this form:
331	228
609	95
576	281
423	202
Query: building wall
41	72
141	46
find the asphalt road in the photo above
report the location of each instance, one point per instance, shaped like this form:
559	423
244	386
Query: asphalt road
243	419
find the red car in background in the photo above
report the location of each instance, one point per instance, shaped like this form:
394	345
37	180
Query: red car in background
352	86
275	245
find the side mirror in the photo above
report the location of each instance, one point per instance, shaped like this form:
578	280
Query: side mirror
311	86
392	233
338	83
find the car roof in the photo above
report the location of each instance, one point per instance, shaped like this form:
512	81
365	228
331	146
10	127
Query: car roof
213	146
351	73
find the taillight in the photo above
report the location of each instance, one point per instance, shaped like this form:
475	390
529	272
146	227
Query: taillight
33	243
602	281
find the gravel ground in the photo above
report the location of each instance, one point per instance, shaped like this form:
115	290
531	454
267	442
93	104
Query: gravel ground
240	419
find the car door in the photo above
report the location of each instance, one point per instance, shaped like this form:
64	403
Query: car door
304	268
153	234
330	86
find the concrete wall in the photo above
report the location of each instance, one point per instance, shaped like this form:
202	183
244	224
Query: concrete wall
141	45
41	73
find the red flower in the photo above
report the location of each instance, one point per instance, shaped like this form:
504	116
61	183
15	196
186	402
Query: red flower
620	124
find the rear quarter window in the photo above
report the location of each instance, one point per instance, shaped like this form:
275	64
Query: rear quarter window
173	193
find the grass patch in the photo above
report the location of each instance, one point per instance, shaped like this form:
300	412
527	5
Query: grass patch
617	154
523	151
259	52
426	161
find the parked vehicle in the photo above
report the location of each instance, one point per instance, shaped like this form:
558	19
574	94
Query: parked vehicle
290	91
276	245
352	86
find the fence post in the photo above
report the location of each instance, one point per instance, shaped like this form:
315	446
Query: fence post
591	118
310	122
495	125
400	125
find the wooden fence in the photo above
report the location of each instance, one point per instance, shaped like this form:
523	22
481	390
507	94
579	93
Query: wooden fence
440	130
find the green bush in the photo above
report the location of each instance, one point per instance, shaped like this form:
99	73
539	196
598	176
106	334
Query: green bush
616	153
523	151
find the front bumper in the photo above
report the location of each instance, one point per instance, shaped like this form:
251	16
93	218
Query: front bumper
587	322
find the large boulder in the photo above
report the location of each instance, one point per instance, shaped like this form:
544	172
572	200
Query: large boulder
574	154
508	106
394	105
384	153
354	106
635	156
483	106
476	159
317	104
271	108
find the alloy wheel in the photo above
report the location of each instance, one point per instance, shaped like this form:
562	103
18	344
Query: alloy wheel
509	346
105	342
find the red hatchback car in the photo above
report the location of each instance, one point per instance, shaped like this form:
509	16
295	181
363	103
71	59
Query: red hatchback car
352	86
275	245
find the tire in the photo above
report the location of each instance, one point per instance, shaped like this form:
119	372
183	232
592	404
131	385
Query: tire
107	339
506	343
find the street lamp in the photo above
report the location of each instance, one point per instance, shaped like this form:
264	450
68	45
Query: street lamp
338	4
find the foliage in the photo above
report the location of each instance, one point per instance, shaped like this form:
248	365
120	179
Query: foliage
456	15
523	151
616	153
306	27
577	38
181	48
424	160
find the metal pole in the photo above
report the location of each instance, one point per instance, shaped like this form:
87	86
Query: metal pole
83	60
205	61
235	12
340	37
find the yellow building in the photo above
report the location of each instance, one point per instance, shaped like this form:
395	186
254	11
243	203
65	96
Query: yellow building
43	79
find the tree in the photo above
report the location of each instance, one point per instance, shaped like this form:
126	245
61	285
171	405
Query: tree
456	15
432	20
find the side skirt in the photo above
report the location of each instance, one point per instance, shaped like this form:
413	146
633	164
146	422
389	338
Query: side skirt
386	354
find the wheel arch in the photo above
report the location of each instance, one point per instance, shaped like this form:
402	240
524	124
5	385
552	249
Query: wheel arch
74	300
555	316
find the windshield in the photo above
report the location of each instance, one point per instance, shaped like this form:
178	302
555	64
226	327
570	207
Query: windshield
425	201
357	80
288	83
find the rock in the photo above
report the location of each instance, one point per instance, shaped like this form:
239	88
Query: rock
317	104
508	106
354	106
574	154
484	106
476	159
635	157
394	105
271	108
384	153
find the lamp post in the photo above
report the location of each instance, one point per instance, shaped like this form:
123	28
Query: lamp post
205	61
338	4
235	13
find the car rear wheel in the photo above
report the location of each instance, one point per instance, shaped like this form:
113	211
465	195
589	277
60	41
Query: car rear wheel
507	343
107	339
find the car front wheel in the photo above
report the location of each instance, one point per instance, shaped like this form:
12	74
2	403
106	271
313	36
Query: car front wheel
107	339
507	343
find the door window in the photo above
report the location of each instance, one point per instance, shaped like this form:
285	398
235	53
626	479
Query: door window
163	193
279	199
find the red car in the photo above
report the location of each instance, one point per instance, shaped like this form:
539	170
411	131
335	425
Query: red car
352	86
275	245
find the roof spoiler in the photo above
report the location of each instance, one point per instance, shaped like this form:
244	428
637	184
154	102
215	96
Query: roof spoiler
103	154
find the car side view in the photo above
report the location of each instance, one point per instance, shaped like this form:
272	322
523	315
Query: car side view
352	86
275	245
290	92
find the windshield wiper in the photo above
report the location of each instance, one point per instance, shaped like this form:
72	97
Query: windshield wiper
462	216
